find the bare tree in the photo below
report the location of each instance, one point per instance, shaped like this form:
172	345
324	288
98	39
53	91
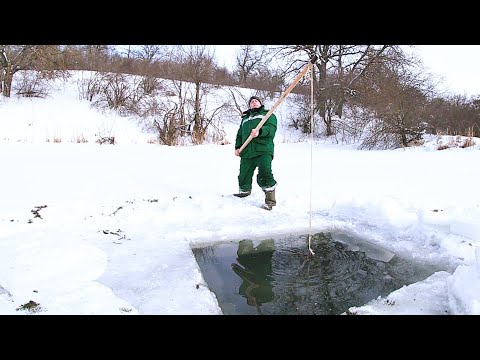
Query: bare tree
395	107
249	59
454	115
98	57
338	70
238	100
199	65
13	58
46	59
150	53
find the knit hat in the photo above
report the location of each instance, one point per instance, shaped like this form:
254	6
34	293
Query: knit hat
254	97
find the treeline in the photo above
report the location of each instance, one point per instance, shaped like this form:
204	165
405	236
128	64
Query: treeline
376	94
173	63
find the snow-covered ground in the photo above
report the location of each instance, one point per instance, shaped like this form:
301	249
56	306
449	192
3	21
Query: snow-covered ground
108	229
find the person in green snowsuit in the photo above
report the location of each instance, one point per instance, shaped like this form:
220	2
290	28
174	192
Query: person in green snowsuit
258	152
254	267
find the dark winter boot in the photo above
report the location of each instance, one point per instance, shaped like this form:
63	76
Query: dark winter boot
242	194
270	201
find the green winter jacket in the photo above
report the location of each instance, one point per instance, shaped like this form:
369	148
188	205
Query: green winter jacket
263	143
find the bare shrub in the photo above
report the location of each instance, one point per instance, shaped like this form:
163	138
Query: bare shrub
445	141
396	107
142	96
208	129
216	135
350	128
90	88
31	84
114	92
122	93
377	135
81	139
415	143
150	85
468	141
166	128
300	116
106	140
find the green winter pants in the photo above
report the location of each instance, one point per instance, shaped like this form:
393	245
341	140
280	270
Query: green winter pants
264	177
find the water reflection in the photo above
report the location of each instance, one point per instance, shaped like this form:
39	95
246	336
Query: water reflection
280	278
254	267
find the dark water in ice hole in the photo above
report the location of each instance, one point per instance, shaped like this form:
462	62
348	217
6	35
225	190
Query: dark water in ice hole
278	277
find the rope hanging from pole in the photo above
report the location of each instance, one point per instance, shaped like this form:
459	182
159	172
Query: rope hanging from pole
308	67
311	160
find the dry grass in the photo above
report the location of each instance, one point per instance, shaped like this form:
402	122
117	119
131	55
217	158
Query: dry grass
468	141
455	141
81	139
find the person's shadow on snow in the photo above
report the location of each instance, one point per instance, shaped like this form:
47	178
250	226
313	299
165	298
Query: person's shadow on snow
255	270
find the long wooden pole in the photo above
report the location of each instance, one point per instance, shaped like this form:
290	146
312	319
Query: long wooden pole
279	101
